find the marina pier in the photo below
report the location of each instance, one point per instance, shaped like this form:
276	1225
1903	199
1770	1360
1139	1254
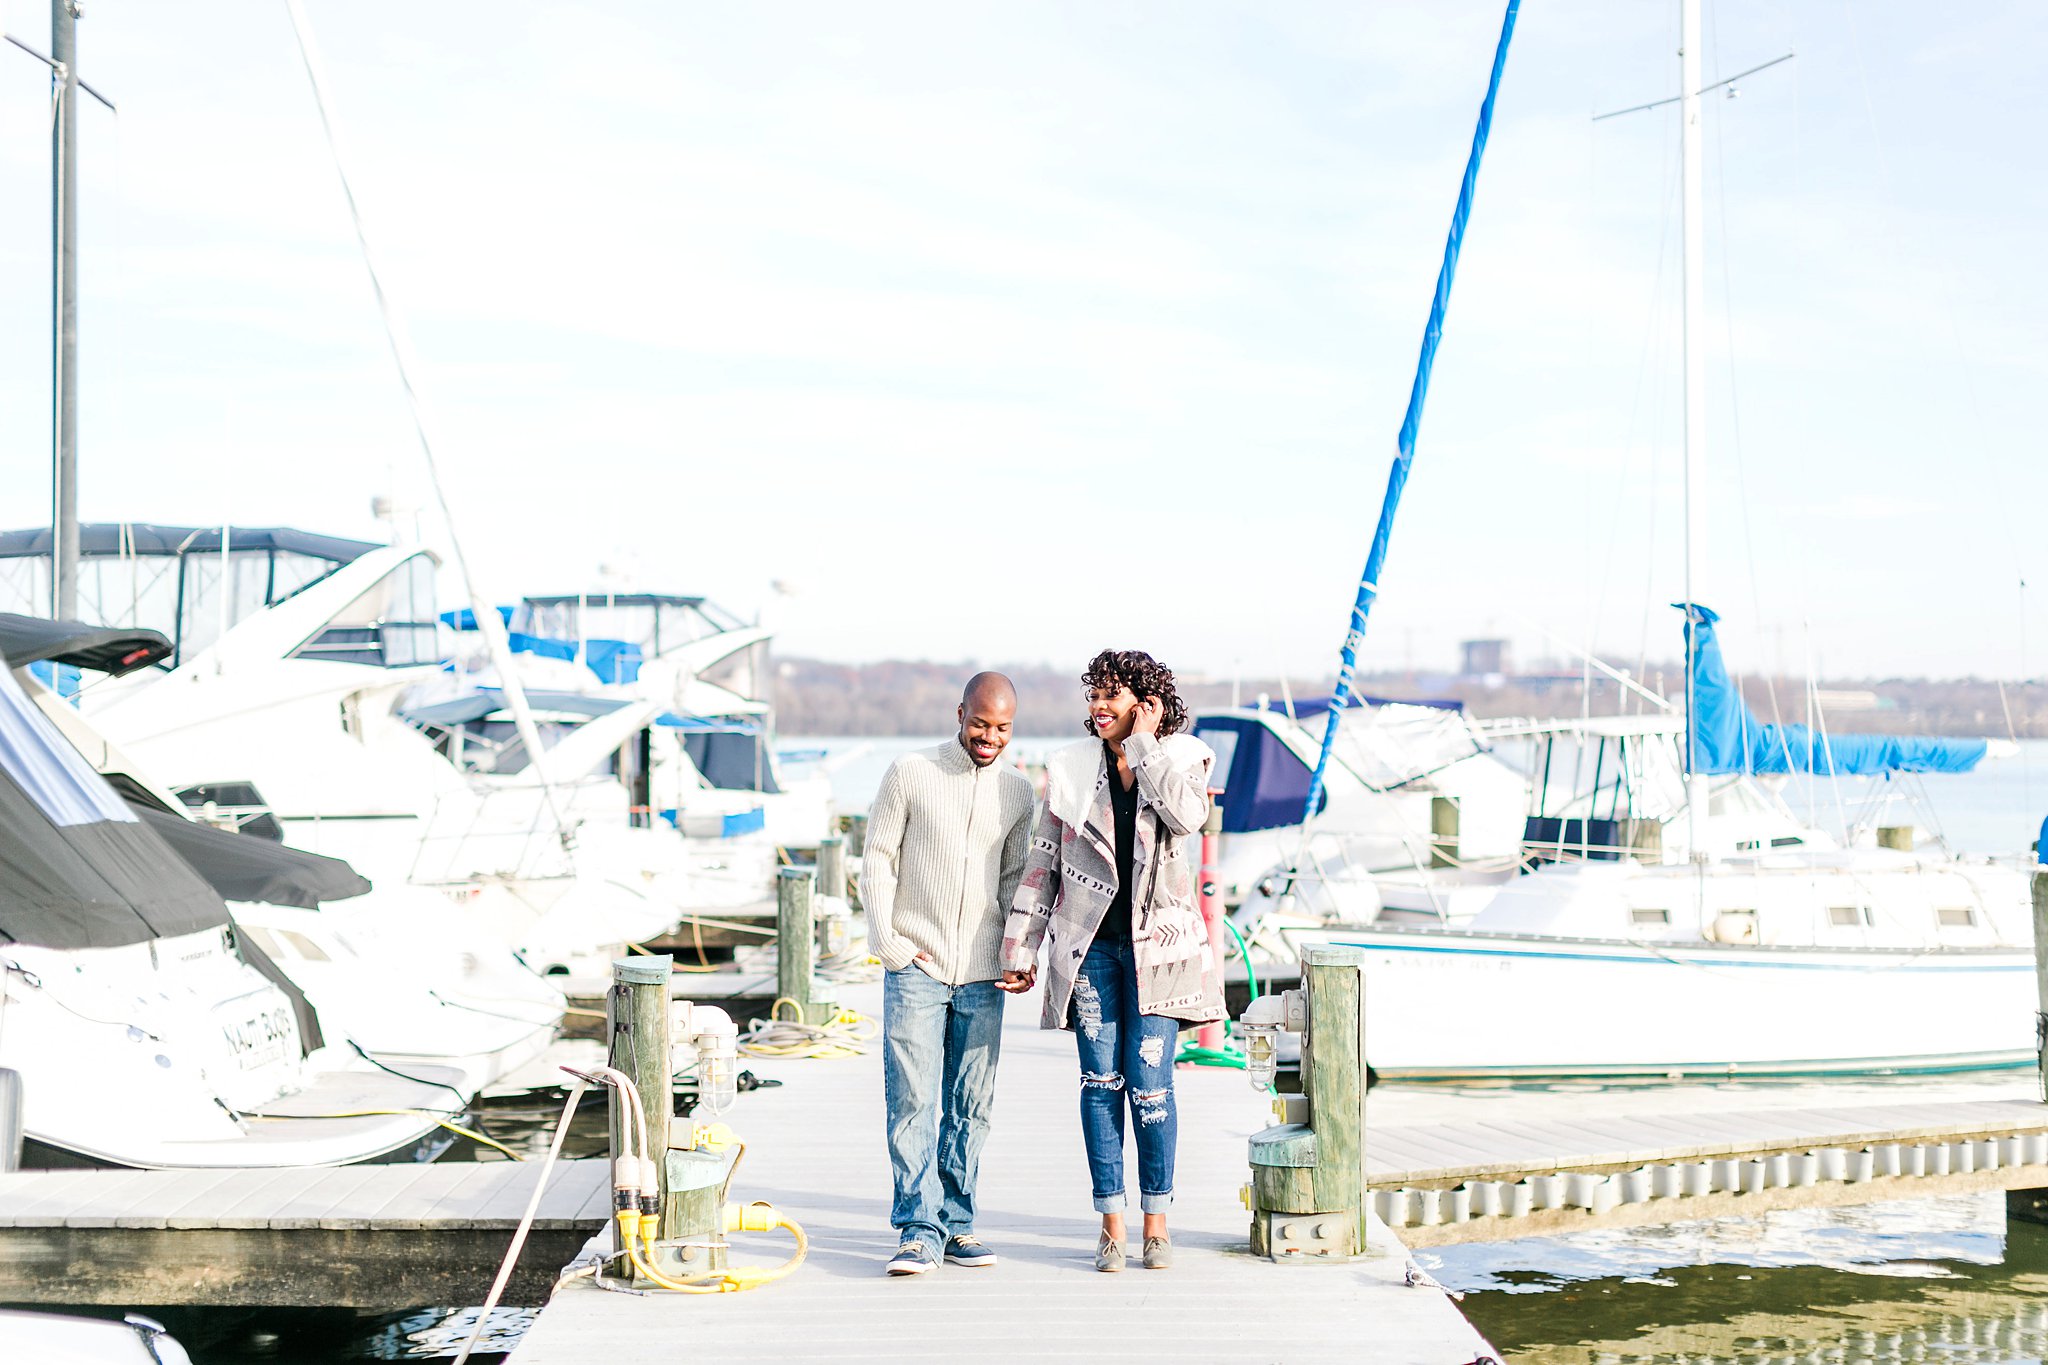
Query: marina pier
394	1236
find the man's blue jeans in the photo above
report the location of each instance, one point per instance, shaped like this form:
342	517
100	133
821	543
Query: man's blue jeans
1124	1053
939	1049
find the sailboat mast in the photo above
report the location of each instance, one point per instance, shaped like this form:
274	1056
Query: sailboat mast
64	313
1695	391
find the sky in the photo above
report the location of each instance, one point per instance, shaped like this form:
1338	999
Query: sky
1012	332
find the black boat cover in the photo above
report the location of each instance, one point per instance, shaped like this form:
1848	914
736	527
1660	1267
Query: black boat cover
104	649
78	869
242	867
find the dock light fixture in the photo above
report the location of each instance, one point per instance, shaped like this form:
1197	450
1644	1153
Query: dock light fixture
707	1039
1259	1028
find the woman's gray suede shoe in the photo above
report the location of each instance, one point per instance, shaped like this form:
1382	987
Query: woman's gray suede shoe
1109	1255
1158	1253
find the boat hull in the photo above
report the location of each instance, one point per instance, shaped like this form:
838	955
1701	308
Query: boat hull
1450	1005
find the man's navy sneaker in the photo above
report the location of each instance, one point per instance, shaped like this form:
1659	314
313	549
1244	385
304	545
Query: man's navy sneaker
912	1258
967	1249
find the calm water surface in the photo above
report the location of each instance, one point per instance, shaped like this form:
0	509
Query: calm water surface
1940	1280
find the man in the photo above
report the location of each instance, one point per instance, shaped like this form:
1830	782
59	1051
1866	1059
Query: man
947	839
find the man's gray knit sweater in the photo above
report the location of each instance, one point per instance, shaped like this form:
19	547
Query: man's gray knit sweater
945	850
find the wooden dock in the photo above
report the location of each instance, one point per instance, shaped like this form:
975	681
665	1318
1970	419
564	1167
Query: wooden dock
1485	1165
815	1149
1462	1182
377	1237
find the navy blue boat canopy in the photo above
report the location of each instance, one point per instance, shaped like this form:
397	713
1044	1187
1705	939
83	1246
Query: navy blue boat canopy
1726	736
103	649
1265	784
78	868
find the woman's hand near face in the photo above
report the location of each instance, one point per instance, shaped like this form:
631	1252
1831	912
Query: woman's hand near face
1146	715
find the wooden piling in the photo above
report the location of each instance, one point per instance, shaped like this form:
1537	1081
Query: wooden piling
796	945
636	1018
857	835
832	866
1334	978
1443	831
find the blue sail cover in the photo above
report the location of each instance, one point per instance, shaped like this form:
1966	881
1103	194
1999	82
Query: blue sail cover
1728	738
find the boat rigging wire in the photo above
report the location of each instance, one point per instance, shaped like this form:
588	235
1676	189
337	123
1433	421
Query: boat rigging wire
461	1098
1735	398
58	68
488	622
1673	99
1411	422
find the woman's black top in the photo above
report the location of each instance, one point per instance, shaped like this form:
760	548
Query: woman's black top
1123	804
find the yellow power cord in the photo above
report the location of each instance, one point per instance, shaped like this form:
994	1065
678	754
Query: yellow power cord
843	1036
636	1228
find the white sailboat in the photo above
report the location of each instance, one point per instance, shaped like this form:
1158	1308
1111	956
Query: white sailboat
1417	816
1732	940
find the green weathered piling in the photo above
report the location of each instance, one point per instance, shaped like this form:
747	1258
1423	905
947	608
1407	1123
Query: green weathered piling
832	866
1334	979
636	1019
796	946
1443	831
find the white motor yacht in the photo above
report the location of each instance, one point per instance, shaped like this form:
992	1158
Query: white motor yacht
142	1033
278	703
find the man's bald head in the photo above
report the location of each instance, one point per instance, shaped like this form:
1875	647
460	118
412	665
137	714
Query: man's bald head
988	707
990	687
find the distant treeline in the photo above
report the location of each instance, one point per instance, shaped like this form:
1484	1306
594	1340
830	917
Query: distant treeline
899	697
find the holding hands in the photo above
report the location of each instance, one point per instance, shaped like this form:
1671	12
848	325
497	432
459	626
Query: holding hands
1016	983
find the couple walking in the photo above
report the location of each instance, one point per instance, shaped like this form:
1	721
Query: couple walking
961	892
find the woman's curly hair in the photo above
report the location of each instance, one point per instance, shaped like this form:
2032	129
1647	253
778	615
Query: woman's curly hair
1144	675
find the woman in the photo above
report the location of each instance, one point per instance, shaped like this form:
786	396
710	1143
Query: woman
1128	966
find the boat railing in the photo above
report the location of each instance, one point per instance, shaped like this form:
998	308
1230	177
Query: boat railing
508	833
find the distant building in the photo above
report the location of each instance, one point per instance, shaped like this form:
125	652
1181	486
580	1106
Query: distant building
1485	658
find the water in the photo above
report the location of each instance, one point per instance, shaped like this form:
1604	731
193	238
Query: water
1927	1280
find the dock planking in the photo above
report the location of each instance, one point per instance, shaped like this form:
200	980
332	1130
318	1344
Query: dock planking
388	1237
815	1149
